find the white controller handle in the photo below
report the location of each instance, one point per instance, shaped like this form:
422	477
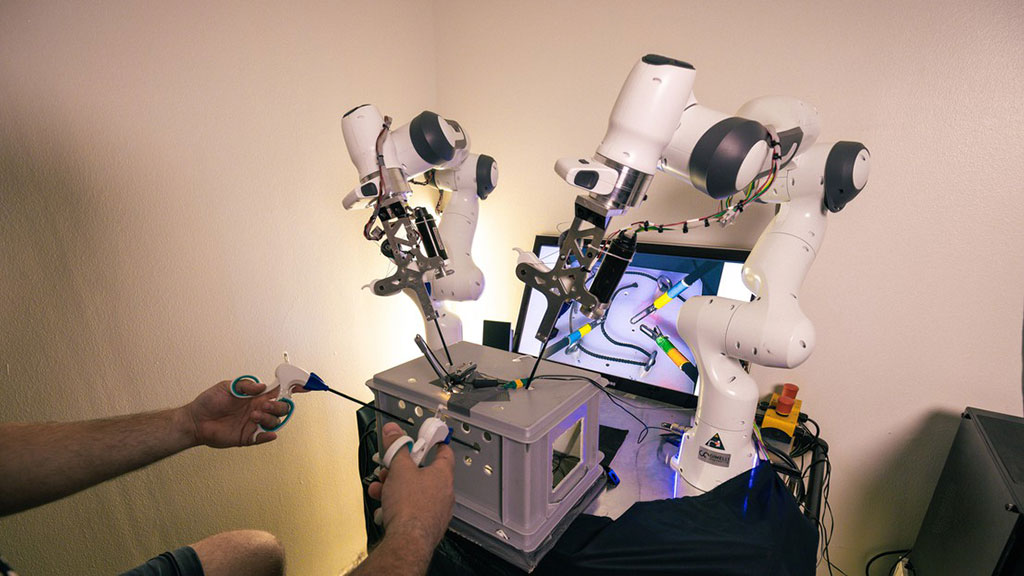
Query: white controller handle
432	431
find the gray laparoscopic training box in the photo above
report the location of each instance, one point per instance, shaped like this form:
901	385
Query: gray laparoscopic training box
534	464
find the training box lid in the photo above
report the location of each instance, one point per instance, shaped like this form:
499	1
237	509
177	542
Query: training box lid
528	414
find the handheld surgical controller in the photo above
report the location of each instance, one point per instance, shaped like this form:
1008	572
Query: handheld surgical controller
433	260
657	124
287	379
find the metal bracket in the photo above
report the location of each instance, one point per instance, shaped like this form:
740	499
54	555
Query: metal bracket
566	282
413	263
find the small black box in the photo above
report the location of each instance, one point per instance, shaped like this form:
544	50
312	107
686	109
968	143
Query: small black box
974	522
498	335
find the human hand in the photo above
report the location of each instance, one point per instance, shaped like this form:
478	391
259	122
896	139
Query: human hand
218	419
416	503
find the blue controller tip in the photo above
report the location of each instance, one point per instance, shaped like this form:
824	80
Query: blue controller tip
315	383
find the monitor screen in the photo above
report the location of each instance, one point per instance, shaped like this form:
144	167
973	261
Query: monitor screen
636	354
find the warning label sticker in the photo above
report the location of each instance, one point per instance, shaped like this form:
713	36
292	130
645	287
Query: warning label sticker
715	443
713	458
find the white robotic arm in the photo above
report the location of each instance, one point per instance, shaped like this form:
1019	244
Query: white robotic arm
771	330
434	261
466	182
425	143
645	116
657	123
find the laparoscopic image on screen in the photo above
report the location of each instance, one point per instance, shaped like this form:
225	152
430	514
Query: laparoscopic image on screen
637	339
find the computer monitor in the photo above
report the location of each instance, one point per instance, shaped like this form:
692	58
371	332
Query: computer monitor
624	353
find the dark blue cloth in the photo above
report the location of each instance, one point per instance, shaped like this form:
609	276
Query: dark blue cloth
5	568
180	562
748	525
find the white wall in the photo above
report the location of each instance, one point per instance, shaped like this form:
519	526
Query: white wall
170	178
917	294
170	216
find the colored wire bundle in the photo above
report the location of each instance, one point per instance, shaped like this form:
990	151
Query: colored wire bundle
611	398
726	213
381	184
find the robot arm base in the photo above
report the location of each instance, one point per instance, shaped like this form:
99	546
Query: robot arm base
720	445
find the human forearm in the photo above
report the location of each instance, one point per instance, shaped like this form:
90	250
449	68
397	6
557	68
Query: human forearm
398	553
43	462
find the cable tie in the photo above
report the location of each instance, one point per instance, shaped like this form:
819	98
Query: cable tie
707	223
686	228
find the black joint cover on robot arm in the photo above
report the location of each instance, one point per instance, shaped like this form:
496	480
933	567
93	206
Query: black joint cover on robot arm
839	185
354	109
588	215
484	184
394	210
718	155
429	140
656	60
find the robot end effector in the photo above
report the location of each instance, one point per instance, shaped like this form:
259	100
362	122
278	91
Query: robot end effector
615	179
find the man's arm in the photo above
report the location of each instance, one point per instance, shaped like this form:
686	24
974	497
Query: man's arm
416	506
43	462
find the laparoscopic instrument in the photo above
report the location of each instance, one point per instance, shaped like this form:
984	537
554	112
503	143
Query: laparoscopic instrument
663	342
289	379
674	291
572	338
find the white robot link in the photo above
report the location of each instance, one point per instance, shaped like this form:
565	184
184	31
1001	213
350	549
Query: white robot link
434	261
656	123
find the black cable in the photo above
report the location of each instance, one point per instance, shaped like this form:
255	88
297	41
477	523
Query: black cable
569	377
831	530
817	429
604	330
826	528
782	455
803	443
832	521
831	566
826	508
892	569
445	345
642	274
588	352
633	347
867	568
